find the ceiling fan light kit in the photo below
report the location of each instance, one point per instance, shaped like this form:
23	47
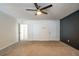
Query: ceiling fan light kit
39	11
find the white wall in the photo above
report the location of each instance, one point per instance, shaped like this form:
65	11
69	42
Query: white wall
8	33
43	30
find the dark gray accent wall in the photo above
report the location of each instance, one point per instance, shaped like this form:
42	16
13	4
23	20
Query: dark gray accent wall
69	30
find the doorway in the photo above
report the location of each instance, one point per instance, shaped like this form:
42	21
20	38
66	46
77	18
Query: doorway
23	29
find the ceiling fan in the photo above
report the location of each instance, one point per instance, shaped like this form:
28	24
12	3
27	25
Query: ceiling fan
40	10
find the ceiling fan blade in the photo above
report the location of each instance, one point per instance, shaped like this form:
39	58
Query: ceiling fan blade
36	5
46	7
44	12
31	9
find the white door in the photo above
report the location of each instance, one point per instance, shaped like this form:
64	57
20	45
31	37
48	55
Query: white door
40	32
44	33
23	31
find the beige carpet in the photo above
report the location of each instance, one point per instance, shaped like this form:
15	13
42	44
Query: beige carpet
40	49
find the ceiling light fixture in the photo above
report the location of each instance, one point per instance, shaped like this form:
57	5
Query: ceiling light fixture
39	12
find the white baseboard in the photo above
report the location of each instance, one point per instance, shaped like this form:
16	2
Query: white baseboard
41	40
7	45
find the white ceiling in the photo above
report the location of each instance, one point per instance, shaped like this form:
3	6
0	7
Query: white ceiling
58	11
